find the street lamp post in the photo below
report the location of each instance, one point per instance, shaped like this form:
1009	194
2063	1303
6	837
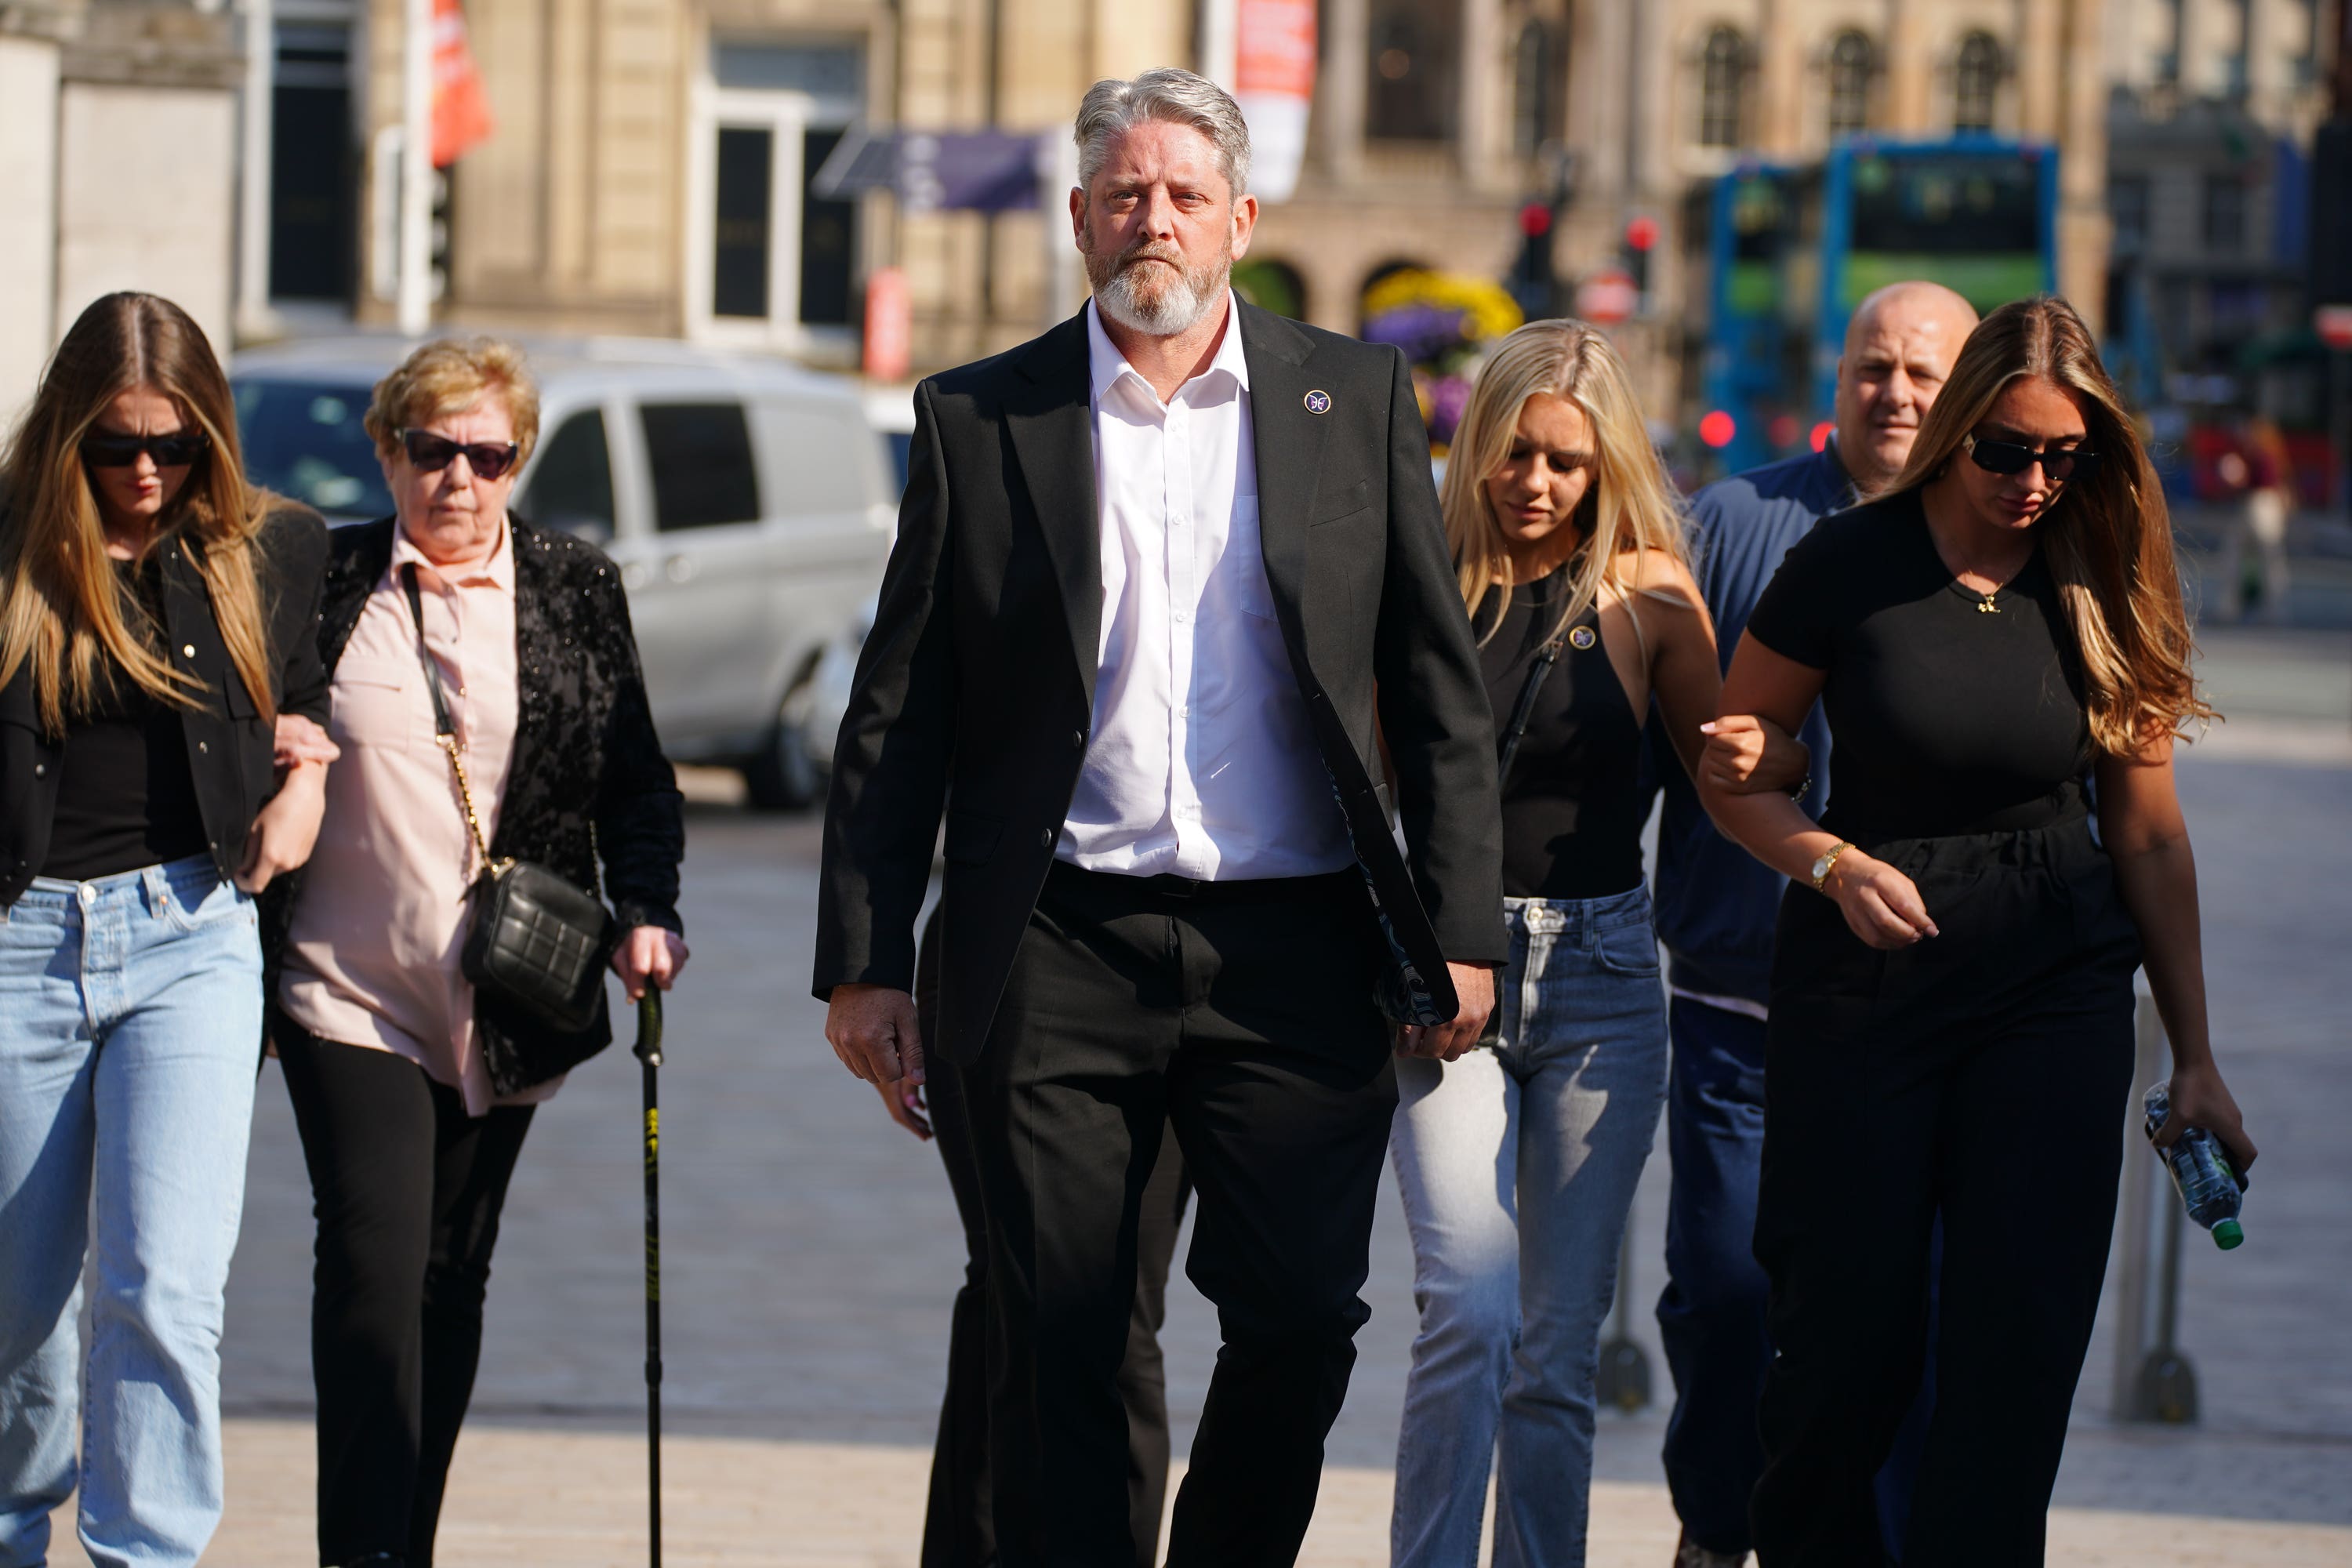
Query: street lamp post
415	273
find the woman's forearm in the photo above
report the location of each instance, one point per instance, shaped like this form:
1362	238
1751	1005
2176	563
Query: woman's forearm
1770	827
2158	885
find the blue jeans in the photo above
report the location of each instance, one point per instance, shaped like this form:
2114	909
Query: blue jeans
1518	1166
1711	1315
129	1028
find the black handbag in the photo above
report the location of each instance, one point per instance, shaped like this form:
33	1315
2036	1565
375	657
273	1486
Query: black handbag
536	942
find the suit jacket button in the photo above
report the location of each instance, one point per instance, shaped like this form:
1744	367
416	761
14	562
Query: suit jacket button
1045	839
1077	740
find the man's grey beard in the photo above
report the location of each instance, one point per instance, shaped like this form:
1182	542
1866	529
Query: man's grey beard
1176	306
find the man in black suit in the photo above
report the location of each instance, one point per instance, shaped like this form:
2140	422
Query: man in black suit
1167	578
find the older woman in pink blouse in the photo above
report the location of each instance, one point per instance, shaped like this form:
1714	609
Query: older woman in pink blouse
411	1091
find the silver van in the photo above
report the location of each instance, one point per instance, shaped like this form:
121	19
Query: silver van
748	502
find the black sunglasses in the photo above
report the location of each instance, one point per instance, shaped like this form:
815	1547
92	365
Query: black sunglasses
176	450
2013	458
488	460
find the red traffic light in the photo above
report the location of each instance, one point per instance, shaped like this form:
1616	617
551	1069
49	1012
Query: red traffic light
1535	220
1641	233
1821	434
1717	429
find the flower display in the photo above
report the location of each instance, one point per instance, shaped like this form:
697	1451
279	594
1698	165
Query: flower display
1442	322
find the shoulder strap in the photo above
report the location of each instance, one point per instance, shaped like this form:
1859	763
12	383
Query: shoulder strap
1523	711
444	729
442	725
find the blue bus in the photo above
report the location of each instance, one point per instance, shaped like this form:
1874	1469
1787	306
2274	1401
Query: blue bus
1792	249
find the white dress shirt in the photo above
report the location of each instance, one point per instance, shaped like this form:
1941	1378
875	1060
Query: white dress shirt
1200	762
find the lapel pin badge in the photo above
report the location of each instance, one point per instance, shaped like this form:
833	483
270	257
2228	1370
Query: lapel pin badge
1581	638
1318	402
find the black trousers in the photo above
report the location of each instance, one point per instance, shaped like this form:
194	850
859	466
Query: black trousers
958	1528
1983	1073
1240	1017
407	1189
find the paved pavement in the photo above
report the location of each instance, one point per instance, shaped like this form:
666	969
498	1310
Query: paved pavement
810	1251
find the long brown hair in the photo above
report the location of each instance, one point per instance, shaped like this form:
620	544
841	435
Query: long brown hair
61	609
2109	542
1629	505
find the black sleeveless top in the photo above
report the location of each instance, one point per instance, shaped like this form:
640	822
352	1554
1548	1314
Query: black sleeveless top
1573	804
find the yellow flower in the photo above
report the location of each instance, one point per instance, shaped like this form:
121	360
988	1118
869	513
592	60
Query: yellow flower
1487	310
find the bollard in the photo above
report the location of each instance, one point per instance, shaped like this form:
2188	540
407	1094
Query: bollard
1624	1376
2153	1380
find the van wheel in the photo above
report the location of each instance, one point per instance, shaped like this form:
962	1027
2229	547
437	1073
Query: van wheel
783	777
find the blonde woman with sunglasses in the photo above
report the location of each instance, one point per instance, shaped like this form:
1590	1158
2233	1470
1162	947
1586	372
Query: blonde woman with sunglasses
1518	1160
1951	1018
155	616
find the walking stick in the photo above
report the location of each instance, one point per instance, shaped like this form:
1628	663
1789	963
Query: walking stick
650	1053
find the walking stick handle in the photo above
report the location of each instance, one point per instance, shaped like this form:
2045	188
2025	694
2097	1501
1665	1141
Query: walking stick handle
648	1049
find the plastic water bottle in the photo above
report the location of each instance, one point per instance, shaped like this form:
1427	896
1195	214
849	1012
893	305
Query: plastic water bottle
2211	1188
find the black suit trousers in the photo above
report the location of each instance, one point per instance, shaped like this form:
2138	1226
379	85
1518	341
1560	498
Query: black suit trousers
1240	1017
959	1526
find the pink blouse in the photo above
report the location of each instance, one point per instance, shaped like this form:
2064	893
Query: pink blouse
371	958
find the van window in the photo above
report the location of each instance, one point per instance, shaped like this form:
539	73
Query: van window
571	487
701	459
822	454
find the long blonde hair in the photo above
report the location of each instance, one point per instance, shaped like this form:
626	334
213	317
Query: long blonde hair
1629	505
61	609
2109	542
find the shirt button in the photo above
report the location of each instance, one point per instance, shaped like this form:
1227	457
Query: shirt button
187	650
1045	839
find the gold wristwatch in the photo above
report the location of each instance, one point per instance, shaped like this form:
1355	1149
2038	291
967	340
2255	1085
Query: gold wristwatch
1825	865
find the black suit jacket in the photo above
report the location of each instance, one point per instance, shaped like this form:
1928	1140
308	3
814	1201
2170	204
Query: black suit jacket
975	690
230	747
586	781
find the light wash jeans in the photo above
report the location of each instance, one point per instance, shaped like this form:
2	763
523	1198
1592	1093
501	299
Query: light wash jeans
129	1030
1518	1166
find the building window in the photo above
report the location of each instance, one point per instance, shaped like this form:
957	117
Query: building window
2225	214
1975	82
1853	62
1535	103
2127	207
1722	71
2241	44
781	256
1415	75
2170	19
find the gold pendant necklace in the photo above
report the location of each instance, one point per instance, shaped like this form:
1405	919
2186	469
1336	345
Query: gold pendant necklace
1987	607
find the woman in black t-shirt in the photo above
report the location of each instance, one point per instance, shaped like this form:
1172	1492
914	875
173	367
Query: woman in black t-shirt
155	627
1951	1017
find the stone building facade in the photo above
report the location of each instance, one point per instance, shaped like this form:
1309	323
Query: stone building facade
91	93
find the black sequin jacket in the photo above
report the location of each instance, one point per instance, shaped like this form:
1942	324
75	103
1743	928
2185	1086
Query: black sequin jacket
587	780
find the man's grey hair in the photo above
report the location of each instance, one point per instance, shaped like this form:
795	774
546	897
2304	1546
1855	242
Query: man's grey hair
1178	97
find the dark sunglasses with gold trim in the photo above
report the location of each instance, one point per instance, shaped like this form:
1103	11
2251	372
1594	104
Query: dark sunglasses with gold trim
2063	464
488	460
176	449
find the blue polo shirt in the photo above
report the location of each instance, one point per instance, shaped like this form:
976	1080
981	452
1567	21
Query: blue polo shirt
1716	904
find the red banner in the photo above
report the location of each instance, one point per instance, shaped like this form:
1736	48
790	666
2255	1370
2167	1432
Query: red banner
461	109
1274	82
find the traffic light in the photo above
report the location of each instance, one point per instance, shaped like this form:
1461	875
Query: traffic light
1641	238
1531	278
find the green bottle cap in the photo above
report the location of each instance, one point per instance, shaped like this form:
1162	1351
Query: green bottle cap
2228	1234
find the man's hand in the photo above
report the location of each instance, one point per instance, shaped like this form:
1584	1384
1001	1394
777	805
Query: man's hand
1474	985
648	955
872	1030
286	829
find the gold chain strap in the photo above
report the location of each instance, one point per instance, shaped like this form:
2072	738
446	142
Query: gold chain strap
466	793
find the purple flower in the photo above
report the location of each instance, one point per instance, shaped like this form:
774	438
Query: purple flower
1423	331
